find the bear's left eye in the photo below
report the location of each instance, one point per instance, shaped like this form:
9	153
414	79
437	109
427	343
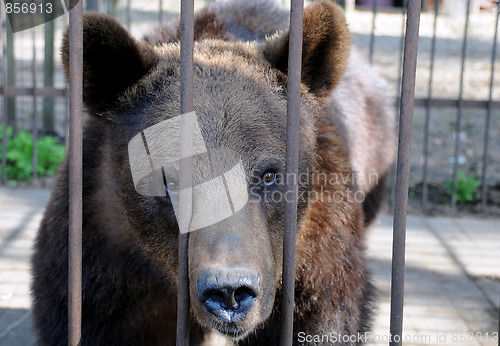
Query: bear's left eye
268	178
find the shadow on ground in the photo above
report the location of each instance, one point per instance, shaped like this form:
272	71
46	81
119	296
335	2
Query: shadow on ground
16	327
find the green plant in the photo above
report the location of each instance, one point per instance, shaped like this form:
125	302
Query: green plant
466	190
19	155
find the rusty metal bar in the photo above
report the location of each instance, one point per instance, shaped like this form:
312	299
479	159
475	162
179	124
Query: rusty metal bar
27	91
403	170
372	35
445	103
419	102
484	190
128	15
3	17
75	156
66	118
35	118
160	12
459	112
398	92
401	50
428	111
292	164
185	200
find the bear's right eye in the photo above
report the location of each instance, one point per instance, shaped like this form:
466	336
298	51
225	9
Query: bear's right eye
172	187
268	178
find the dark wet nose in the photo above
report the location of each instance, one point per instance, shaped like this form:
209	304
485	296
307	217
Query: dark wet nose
228	293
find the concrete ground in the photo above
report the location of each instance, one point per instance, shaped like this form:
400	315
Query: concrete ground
452	287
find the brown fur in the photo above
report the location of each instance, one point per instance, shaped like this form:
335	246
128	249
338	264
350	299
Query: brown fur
325	49
109	50
130	241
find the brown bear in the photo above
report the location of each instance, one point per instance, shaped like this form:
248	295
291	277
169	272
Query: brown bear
240	87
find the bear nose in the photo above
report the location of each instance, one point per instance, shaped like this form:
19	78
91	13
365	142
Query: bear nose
228	293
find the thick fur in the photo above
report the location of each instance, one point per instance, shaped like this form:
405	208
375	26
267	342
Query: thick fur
112	53
130	241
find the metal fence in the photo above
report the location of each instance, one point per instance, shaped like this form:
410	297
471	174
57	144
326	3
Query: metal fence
408	66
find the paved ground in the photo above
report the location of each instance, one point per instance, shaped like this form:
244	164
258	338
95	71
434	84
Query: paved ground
20	213
452	275
452	286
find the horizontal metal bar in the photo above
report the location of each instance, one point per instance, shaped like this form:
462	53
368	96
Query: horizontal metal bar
419	102
454	103
30	91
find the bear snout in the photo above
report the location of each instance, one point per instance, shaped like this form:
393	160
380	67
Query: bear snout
229	294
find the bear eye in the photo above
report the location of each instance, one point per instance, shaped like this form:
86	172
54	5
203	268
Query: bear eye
268	178
172	187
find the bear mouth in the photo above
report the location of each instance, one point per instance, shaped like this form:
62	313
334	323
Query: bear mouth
233	332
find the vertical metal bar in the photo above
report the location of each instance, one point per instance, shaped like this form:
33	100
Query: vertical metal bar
292	164
459	113
403	170
428	110
75	173
128	14
398	88
484	190
35	118
66	115
372	35
4	75
160	12
401	50
187	34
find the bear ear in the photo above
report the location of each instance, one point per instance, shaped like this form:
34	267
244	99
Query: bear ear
325	48
112	60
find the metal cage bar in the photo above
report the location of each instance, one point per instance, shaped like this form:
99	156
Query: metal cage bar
13	91
75	155
372	34
292	158
292	164
401	52
458	123
160	12
398	92
484	190
185	199
403	170
35	118
3	18
128	15
428	110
